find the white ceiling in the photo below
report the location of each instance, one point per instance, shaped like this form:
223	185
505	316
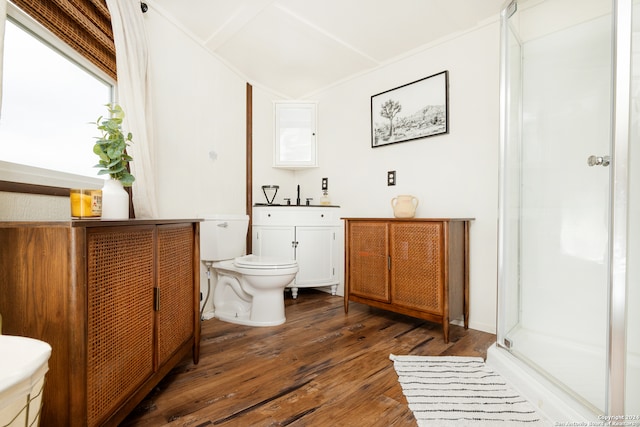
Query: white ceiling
296	47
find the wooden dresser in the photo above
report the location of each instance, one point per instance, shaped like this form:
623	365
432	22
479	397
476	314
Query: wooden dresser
118	301
418	266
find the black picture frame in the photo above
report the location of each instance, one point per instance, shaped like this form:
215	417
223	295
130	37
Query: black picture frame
416	110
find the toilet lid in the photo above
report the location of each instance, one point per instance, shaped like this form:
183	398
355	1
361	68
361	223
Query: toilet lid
255	261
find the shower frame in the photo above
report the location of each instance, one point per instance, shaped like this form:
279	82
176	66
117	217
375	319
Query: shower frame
619	190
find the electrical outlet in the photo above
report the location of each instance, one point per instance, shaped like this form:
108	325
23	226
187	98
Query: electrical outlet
325	184
391	178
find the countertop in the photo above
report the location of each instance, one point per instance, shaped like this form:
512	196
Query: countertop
275	205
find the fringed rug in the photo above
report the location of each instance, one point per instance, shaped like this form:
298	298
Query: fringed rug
461	391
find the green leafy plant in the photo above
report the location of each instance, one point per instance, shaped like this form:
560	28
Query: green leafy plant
111	146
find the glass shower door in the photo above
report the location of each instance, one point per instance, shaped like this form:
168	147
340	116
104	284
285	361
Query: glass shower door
556	192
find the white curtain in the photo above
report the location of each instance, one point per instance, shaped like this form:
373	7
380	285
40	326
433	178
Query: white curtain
134	96
3	18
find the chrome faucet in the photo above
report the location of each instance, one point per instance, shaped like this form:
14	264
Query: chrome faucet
298	198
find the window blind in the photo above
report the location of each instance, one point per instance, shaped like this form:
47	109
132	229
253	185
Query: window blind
85	25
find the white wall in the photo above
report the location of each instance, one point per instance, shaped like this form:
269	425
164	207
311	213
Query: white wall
454	175
263	171
198	107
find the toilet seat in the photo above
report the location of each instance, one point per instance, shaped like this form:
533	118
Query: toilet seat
263	263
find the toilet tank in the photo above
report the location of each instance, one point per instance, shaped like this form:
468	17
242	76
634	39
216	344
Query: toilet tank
223	237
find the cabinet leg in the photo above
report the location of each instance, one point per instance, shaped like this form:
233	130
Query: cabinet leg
445	330
294	293
196	353
466	276
334	289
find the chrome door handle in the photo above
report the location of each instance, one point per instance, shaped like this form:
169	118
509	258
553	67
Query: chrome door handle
597	161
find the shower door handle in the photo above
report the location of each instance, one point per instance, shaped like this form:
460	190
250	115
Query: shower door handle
597	161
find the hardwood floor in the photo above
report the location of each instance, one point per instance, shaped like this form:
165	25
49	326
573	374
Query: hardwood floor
321	368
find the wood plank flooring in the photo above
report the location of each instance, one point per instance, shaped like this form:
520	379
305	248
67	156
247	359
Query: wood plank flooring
321	368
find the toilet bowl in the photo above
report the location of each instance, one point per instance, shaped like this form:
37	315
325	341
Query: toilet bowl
249	289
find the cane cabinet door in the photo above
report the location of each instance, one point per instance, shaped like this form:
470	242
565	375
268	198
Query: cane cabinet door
417	273
174	294
369	260
120	347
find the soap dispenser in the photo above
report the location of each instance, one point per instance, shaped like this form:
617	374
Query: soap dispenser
325	200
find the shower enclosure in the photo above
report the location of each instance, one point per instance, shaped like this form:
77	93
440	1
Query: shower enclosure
569	253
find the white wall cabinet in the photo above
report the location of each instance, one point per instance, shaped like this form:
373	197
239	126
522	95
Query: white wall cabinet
312	236
295	138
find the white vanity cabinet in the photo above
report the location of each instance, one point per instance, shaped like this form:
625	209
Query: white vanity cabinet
311	235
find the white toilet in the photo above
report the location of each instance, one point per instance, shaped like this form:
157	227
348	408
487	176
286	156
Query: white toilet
250	288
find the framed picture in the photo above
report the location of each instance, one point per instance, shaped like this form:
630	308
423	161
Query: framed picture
416	110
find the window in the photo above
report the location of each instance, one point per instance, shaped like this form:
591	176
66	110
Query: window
50	99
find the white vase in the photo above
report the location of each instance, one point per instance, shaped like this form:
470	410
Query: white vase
115	200
404	206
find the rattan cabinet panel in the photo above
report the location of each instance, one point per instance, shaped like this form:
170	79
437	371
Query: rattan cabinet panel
174	284
368	260
118	301
418	267
120	281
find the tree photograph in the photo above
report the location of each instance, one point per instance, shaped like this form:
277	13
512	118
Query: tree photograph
412	111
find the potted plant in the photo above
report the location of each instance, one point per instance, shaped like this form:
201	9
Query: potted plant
111	148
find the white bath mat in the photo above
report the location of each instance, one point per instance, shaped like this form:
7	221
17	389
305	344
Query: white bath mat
461	391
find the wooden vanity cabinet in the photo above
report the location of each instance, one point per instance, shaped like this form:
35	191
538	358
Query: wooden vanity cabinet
418	267
118	301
